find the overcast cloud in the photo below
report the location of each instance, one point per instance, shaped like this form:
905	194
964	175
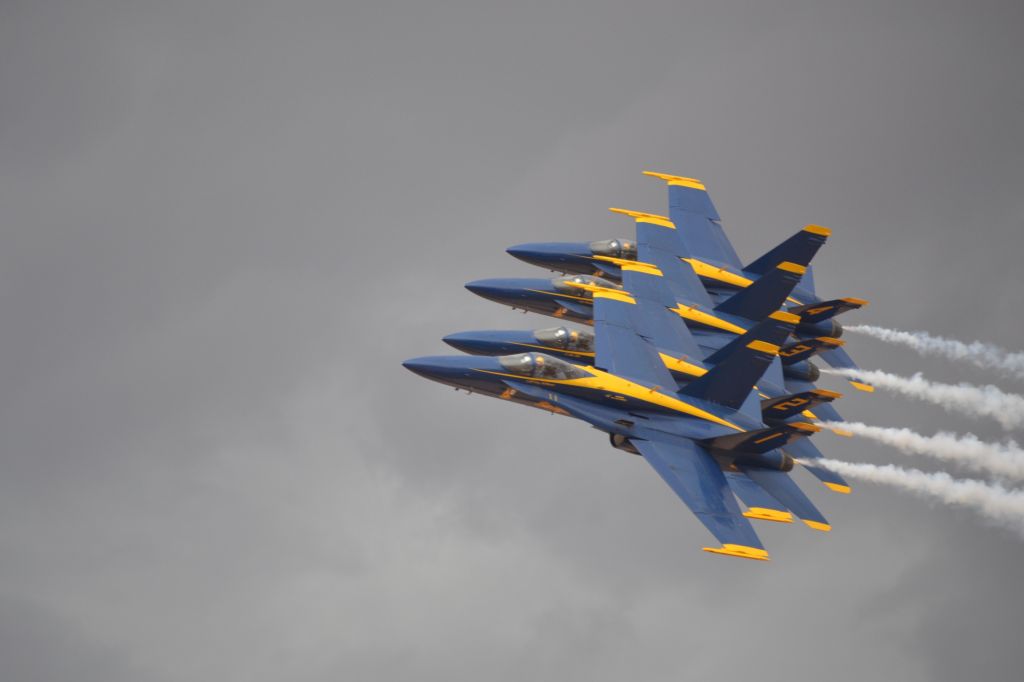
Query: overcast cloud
224	225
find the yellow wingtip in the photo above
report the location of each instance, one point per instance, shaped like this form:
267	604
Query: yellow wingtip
867	388
640	216
843	432
823	527
765	514
677	180
741	551
856	301
837	488
818	229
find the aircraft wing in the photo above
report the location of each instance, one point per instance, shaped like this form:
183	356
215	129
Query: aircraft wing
697	479
617	346
699	226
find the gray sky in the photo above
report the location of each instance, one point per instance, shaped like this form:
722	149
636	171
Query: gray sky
226	223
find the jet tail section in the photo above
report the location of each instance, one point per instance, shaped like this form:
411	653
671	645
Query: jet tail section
765	295
811	313
787	406
740	364
761	441
805	349
799	249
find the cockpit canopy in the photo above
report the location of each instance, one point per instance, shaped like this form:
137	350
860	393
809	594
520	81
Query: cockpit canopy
540	366
566	339
566	284
616	248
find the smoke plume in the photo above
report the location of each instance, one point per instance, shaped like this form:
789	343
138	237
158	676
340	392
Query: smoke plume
991	500
1001	459
963	398
977	353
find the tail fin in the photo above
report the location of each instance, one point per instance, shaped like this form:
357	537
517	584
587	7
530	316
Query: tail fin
786	406
799	249
766	294
780	486
807	348
740	364
811	313
807	282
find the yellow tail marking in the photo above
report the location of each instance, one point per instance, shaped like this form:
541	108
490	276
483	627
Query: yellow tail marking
764	514
642	217
792	267
741	551
818	229
783	316
763	347
709	271
693	313
677	180
823	527
837	488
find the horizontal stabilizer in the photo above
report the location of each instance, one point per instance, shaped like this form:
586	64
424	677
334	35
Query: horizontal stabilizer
740	364
786	406
840	359
765	295
806	452
799	249
784	489
760	505
804	349
760	441
811	313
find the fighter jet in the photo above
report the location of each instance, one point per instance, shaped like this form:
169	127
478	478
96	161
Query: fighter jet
657	319
702	243
708	440
713	325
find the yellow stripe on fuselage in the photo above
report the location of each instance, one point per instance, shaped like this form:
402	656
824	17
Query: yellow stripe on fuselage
694	314
554	293
609	383
708	271
682	366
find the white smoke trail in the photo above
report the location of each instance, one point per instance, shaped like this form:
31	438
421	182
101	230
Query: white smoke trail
1002	459
976	401
992	500
978	353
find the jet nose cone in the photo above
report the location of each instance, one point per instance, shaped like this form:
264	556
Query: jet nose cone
421	366
489	288
463	341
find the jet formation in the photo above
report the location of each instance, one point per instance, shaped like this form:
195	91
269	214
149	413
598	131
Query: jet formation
692	360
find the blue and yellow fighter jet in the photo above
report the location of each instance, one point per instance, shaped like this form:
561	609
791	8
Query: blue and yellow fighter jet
713	324
701	242
709	440
688	356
